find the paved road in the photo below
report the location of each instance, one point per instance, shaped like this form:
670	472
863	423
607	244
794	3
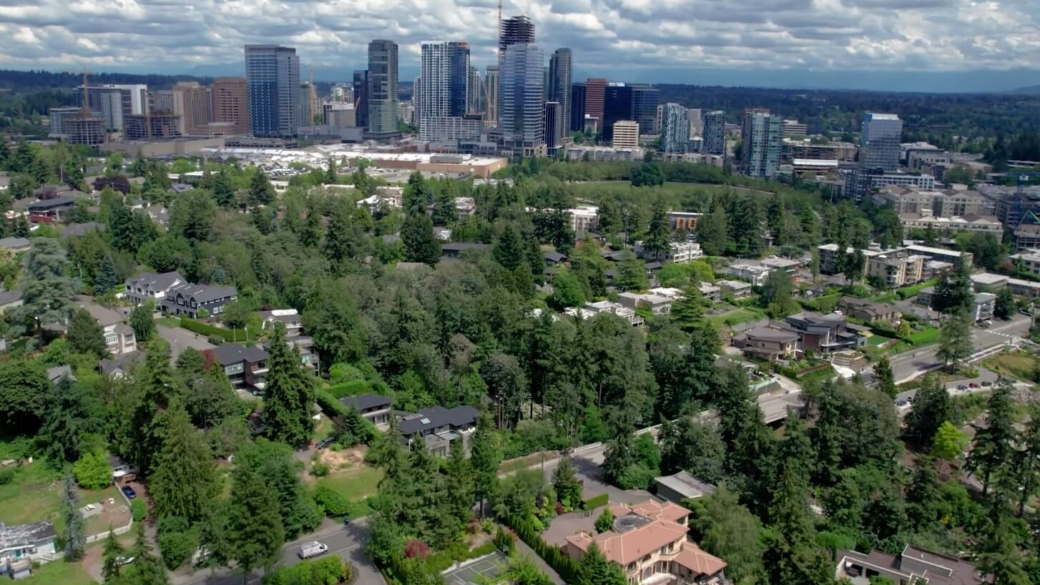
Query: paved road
908	365
181	339
951	387
346	542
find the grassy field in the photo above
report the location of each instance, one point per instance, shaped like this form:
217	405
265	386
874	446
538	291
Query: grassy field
168	322
1017	365
60	573
356	483
324	429
35	495
737	317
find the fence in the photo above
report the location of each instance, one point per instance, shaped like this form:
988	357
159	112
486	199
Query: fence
119	530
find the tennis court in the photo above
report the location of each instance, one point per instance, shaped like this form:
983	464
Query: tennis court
487	567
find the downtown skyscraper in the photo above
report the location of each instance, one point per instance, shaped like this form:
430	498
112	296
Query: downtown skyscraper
382	90
559	89
517	30
444	91
879	142
521	113
272	86
761	140
714	133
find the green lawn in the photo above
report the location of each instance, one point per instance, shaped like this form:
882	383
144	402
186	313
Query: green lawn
1017	365
356	483
168	322
737	317
60	573
35	495
925	336
324	428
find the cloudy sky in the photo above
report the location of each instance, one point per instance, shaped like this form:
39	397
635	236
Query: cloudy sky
645	40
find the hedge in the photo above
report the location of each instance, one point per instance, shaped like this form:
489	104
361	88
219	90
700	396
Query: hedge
326	571
138	510
349	388
328	403
229	335
911	291
565	566
597	501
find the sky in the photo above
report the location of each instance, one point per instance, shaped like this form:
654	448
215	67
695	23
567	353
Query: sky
898	44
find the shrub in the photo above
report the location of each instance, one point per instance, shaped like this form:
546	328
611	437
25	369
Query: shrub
334	503
416	549
565	566
319	469
92	471
325	571
6	476
597	501
229	335
605	521
138	510
176	541
504	541
339	373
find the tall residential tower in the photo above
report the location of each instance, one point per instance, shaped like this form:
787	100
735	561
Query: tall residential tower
382	90
761	139
559	89
521	114
879	141
273	87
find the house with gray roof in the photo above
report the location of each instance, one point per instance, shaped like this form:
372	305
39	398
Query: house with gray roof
913	565
373	407
57	373
245	366
151	286
26	542
437	427
770	343
120	365
681	486
188	299
119	337
15	244
51	207
10	299
76	230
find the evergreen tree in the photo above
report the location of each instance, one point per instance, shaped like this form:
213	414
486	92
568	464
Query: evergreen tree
156	385
1004	307
619	457
688	310
791	556
261	192
658	238
330	172
712	231
255	533
993	446
999	557
931	408
112	555
74	535
86	336
608	218
345	239
1026	460
310	234
632	274
142	323
444	211
66	421
508	249
595	569
263	219
106	280
289	396
420	244
776	219
184	481
565	483
485	457
955	290
777	296
885	377
223	190
145	570
955	342
456	507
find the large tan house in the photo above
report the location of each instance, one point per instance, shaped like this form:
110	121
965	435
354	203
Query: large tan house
649	541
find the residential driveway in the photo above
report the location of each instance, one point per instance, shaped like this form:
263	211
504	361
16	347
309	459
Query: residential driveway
181	339
570	524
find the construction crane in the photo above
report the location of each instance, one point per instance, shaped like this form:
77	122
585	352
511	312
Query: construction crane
86	94
314	94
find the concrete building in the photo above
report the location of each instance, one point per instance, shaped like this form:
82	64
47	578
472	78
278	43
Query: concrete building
152	126
339	114
272	86
913	565
951	226
880	139
191	102
896	268
57	118
112	102
935	202
714	133
735	288
515	30
696	122
806	149
761	138
445	129
595	89
559	90
381	96
584	219
230	99
444	91
553	127
603	153
625	134
675	128
795	128
85	130
521	114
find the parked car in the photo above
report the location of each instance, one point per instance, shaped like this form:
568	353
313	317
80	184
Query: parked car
129	492
973	385
346	521
962	387
124	560
325	442
987	384
313	549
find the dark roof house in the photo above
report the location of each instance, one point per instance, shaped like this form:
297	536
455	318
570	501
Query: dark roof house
74	230
913	565
188	299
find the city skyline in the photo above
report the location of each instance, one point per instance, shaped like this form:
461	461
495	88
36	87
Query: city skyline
799	45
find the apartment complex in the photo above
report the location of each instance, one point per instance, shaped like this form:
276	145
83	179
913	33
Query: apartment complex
444	91
761	138
625	134
521	113
272	87
675	128
381	96
937	203
714	133
230	97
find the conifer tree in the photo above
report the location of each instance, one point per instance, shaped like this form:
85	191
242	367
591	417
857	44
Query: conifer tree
289	395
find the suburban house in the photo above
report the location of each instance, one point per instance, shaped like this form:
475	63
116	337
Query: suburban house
456	249
119	337
246	367
373	407
438	427
710	292
57	373
593	309
826	333
76	230
53	208
649	541
151	286
15	244
913	565
554	258
868	310
735	288
787	265
768	343
678	252
188	299
33	542
754	273
10	299
118	366
682	485
288	317
658	304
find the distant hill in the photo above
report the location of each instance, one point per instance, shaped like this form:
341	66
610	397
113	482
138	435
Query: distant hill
1031	90
26	81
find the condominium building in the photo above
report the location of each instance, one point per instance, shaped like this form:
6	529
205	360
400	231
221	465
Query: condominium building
521	114
85	130
625	134
339	114
191	102
675	128
112	102
954	225
714	133
603	153
272	86
382	90
938	203
444	91
584	219
696	122
451	128
230	98
761	139
896	268
880	138
57	118
559	89
807	150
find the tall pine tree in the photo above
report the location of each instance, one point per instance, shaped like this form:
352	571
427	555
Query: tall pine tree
289	395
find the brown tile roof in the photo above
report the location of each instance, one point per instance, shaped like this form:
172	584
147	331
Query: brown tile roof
660	529
698	561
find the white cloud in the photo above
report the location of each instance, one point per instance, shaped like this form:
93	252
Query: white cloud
839	35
